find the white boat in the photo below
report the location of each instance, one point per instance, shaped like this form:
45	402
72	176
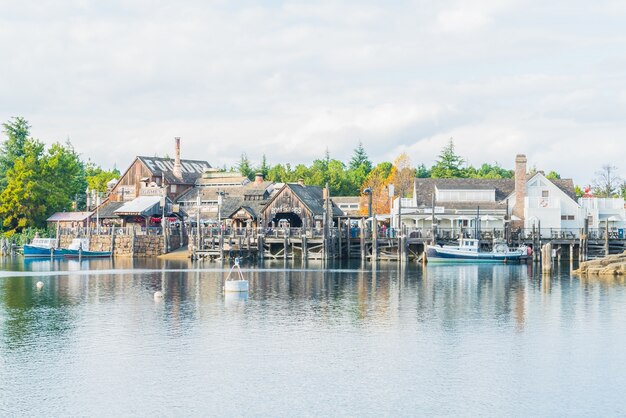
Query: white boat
468	250
42	247
238	284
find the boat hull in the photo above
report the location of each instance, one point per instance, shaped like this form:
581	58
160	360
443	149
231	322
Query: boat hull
32	251
443	255
86	254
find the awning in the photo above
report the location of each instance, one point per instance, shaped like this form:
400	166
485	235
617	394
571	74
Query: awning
141	206
69	216
489	218
610	218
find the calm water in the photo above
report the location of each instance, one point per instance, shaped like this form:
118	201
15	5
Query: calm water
444	340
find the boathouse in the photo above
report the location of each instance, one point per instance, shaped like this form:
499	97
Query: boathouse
296	205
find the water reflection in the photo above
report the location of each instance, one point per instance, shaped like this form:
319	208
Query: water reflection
322	330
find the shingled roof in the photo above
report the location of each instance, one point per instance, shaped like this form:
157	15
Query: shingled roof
312	197
425	187
191	170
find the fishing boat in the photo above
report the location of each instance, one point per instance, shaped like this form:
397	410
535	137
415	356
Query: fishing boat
43	247
468	251
80	248
237	284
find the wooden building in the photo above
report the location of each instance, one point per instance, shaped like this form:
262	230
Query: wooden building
149	176
299	206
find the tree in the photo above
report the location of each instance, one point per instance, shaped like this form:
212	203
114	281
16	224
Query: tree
244	166
264	169
606	182
404	175
64	176
360	159
358	169
422	172
488	171
378	181
553	175
17	131
23	200
448	164
97	178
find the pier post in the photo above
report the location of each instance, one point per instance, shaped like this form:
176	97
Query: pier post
606	239
305	250
112	249
286	246
571	257
362	233
339	240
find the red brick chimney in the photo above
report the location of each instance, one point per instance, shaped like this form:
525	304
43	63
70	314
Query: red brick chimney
520	188
177	168
258	178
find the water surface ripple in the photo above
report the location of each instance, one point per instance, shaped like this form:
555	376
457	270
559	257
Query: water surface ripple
308	341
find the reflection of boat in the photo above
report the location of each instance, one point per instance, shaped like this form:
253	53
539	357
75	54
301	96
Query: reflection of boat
468	250
43	247
235	285
80	248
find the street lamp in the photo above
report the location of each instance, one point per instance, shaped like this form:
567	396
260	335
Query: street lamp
368	192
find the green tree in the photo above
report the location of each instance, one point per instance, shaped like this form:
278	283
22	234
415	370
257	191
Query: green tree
97	178
553	175
23	200
64	176
488	171
244	167
17	131
448	164
358	169
264	168
422	172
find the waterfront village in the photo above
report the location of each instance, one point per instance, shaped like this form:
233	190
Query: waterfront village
162	205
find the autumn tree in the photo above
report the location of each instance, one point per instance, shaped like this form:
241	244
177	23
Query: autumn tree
378	182
403	176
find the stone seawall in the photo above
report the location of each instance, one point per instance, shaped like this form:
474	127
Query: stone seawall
128	245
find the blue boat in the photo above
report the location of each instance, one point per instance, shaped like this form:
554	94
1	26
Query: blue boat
468	251
43	248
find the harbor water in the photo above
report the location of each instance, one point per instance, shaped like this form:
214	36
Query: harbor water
308	340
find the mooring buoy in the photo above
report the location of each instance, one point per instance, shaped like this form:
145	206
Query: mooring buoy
39	285
158	295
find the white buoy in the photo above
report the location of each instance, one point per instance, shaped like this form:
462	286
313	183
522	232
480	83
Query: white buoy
158	295
234	285
39	285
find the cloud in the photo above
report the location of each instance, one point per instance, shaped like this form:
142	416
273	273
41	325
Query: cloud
289	79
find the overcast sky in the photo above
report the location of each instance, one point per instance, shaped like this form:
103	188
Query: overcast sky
290	79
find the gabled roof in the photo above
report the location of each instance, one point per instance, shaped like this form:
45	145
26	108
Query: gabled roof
191	170
425	188
107	209
69	216
312	197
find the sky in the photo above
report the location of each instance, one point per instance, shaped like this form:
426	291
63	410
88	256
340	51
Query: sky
292	79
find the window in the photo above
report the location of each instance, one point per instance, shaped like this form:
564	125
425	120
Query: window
545	193
568	217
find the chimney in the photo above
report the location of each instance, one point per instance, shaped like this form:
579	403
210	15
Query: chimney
301	182
258	178
177	169
520	187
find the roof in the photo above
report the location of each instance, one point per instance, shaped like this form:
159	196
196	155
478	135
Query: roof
346	199
425	187
107	209
142	205
311	196
464	186
191	170
69	216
